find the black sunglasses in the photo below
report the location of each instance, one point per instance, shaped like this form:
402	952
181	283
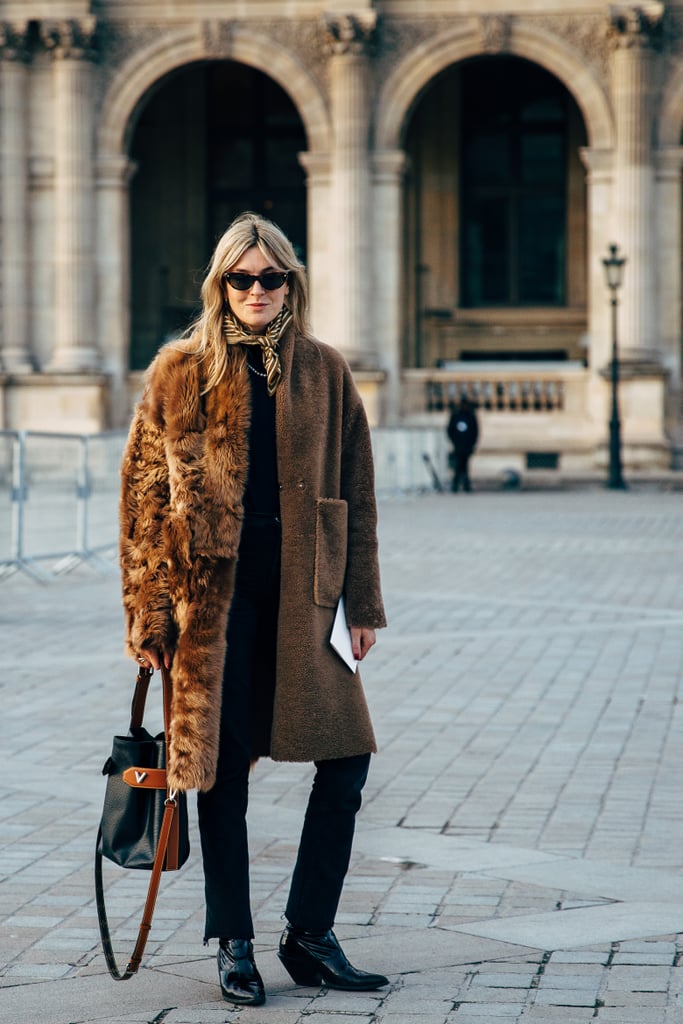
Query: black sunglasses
271	280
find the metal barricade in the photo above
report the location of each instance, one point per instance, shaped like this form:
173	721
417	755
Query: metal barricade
58	501
409	459
59	492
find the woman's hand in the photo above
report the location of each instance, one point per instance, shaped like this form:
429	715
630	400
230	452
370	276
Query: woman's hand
362	639
154	656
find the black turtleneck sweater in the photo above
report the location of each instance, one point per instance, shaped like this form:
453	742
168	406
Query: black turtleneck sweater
262	492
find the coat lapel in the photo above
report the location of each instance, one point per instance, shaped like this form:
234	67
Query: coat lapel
208	462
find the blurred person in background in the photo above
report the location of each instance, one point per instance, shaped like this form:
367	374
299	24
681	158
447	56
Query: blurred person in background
463	433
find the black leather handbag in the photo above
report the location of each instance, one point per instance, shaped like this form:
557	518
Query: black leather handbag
144	823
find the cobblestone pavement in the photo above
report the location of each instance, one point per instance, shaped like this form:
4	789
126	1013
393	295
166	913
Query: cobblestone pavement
519	853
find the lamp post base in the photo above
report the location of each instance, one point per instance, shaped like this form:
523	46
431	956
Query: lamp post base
615	480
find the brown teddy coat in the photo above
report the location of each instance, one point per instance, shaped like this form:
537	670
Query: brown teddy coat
183	477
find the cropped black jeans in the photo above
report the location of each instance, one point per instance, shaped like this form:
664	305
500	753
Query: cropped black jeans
335	797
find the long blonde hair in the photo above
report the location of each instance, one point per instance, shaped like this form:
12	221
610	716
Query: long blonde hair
205	335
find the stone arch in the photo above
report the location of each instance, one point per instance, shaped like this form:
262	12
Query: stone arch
671	115
406	82
146	68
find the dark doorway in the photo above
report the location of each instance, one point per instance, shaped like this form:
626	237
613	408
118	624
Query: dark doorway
514	184
495	216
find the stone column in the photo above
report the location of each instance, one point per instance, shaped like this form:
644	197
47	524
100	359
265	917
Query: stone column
71	43
669	284
599	165
113	176
349	222
635	31
14	271
317	168
389	167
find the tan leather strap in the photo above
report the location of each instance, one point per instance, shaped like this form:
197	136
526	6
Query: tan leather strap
145	925
173	841
137	709
166	693
173	845
145	778
167	851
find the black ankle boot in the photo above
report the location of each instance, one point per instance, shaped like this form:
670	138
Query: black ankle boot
314	958
240	981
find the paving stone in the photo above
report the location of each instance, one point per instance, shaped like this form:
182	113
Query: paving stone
558	1015
388	1017
462	1017
570	956
492	1010
636	1015
639	979
630	998
566	996
526	703
508	980
569	982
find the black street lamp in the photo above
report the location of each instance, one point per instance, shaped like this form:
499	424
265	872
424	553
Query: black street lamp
614	270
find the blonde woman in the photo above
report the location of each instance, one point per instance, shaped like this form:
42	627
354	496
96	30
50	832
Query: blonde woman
247	513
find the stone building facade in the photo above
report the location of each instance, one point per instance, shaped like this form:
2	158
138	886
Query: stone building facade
452	172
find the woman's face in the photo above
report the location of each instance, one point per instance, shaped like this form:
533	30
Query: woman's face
255	307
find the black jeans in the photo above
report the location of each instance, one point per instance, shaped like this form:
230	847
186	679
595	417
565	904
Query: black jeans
248	682
461	473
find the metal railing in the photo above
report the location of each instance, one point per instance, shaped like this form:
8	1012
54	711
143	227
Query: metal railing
59	493
58	501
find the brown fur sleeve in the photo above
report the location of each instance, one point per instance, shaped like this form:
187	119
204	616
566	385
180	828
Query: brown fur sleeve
143	509
362	589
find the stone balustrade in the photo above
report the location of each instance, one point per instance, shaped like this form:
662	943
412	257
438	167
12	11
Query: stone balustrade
496	388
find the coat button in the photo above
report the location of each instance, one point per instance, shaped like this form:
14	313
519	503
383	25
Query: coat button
301	485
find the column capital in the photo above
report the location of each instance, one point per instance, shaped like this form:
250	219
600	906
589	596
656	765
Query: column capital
318	166
598	162
351	33
114	171
389	165
636	25
668	163
13	40
70	38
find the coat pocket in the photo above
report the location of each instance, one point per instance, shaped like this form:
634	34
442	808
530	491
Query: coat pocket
331	527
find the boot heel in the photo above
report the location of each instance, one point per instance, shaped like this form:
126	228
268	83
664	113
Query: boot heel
300	971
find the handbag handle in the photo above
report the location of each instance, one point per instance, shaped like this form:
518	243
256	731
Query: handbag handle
137	708
167	822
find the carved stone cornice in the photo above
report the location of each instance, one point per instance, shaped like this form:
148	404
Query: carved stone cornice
14	40
216	36
309	41
70	38
637	25
351	33
493	31
116	44
587	34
